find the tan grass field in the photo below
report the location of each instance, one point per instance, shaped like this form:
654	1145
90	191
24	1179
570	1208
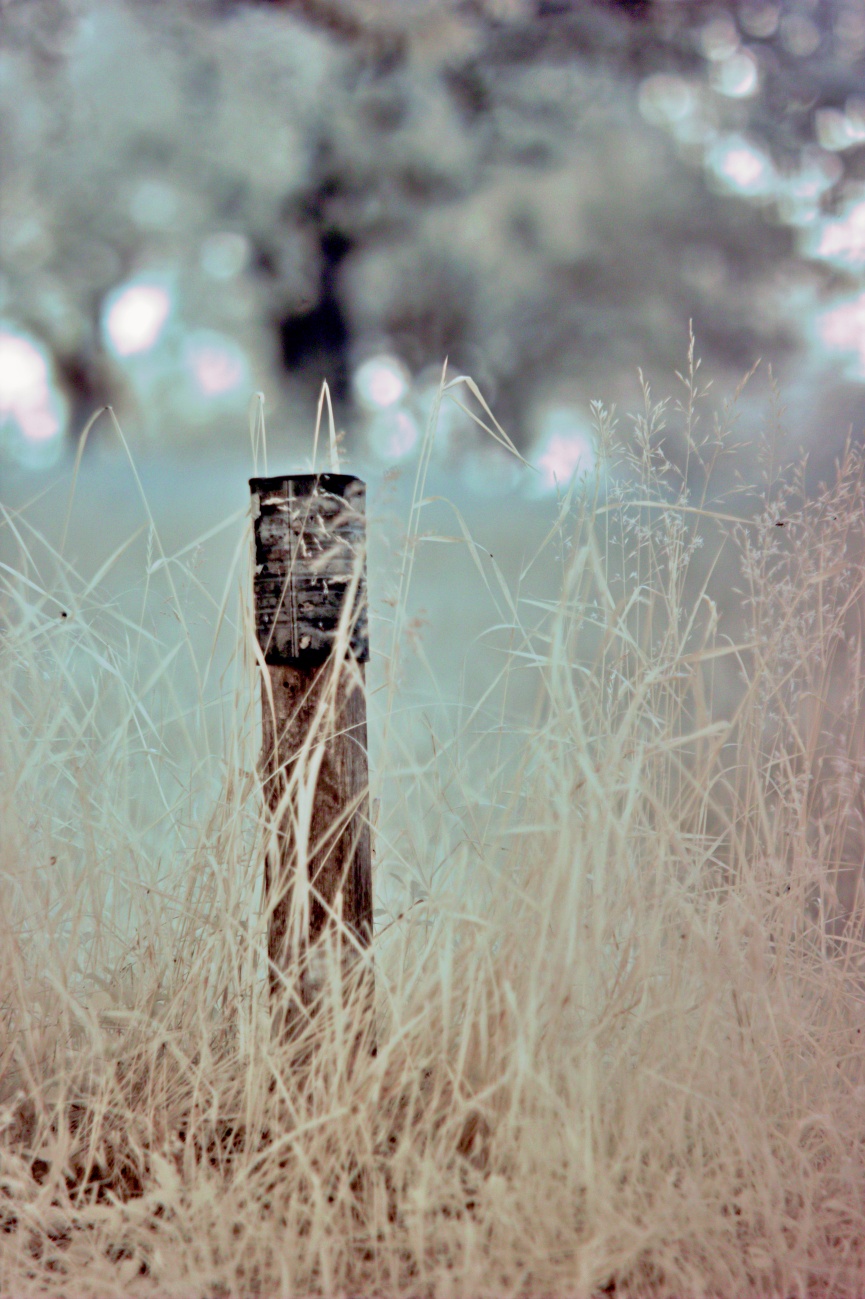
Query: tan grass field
620	1012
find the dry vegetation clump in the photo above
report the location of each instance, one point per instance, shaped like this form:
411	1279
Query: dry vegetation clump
619	1033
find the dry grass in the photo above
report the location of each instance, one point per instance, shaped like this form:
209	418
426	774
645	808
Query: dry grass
620	1029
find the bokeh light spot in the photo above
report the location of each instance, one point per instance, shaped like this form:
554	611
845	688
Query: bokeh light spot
565	447
799	193
741	168
719	39
380	382
818	172
23	371
842	329
842	241
737	77
135	316
216	364
393	435
799	36
665	99
224	255
153	205
760	18
32	410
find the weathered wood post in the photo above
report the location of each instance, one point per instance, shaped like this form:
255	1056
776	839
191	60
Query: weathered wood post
311	624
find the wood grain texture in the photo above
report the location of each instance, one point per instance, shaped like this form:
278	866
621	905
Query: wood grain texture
316	721
310	541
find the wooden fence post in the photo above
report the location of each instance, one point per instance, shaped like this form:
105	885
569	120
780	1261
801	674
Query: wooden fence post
311	624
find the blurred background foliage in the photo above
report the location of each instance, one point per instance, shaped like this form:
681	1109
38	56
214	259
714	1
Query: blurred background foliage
203	198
